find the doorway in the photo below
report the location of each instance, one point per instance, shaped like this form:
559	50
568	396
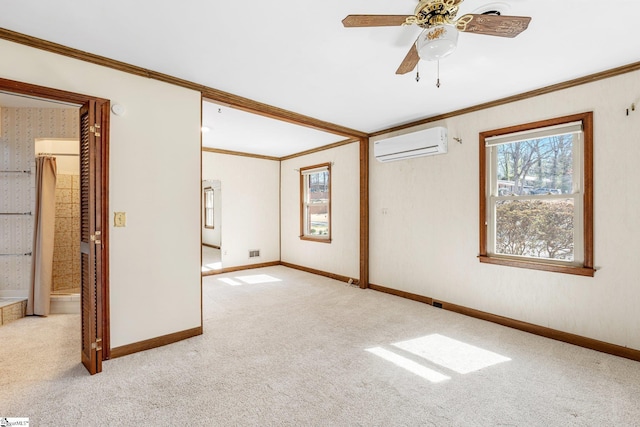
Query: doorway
65	280
93	120
211	226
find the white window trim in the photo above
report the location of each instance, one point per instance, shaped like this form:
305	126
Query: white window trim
576	195
209	192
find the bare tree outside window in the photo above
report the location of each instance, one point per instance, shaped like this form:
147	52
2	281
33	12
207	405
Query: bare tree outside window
537	228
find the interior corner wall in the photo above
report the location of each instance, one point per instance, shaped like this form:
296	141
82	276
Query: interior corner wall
342	255
249	208
154	177
427	242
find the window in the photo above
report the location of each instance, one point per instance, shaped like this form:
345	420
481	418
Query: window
208	207
315	206
536	195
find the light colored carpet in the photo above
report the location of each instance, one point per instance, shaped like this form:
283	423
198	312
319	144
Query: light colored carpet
295	349
211	259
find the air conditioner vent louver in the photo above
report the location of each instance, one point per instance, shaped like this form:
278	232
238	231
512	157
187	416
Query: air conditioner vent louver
255	253
426	142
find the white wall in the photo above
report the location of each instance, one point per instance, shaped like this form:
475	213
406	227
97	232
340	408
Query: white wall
342	255
249	211
69	165
154	270
427	243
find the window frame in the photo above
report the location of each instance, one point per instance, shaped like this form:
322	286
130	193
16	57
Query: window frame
306	172
209	192
585	223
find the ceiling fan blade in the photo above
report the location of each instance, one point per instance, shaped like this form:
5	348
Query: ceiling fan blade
374	20
493	25
410	61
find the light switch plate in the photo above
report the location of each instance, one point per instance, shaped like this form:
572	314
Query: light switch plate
119	219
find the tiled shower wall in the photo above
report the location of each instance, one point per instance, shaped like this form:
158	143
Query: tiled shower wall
19	127
66	251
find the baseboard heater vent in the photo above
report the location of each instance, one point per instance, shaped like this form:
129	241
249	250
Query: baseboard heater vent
255	253
437	304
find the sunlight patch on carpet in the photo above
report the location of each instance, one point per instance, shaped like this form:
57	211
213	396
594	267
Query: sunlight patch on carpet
230	281
452	354
258	278
409	365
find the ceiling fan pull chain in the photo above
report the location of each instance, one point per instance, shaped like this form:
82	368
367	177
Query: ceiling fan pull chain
438	79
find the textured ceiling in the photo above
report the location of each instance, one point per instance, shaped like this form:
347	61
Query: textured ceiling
296	55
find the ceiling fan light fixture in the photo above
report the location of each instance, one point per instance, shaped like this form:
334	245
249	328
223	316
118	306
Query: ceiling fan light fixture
437	42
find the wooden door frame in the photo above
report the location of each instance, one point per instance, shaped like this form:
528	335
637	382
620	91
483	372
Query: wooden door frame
20	88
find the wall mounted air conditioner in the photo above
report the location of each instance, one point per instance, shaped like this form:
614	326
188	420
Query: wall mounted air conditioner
415	144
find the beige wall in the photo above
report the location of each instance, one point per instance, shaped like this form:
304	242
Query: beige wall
342	255
249	211
427	242
154	178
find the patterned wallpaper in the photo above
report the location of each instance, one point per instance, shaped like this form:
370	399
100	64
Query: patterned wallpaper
66	249
19	128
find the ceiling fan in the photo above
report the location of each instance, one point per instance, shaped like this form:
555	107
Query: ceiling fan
440	35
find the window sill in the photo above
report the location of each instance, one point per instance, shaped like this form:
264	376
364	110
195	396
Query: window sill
209	227
315	239
536	265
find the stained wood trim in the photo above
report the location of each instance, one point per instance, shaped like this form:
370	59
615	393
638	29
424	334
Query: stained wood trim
201	222
250	106
587	268
555	334
155	342
291	156
319	149
106	311
211	246
536	265
240	268
588	220
520	97
403	294
239	153
482	198
321	273
364	213
542	331
208	93
279	210
316	239
46	92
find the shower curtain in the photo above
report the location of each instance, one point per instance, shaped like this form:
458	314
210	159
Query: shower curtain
43	234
